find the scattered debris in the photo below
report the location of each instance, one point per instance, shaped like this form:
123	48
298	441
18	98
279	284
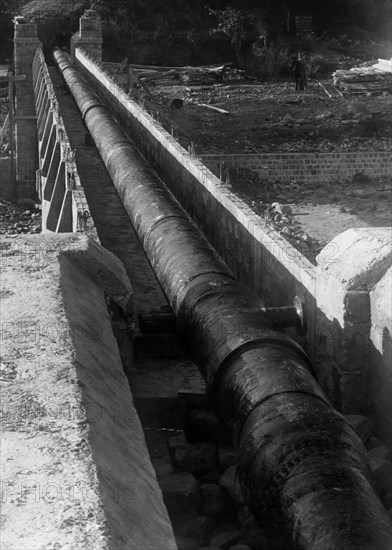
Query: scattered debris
375	79
16	219
206	74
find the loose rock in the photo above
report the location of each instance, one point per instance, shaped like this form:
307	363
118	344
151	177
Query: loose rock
181	494
26	203
227	457
214	500
381	471
226	539
373	443
244	513
361	424
198	528
381	453
230	483
185	543
192	457
253	535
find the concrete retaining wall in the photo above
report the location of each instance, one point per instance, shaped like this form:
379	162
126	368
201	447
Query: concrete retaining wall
258	256
76	472
307	167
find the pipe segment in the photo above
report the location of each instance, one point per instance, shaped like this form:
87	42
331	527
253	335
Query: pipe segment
303	470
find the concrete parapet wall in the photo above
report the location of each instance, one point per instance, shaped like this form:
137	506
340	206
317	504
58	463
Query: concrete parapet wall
75	467
258	256
307	167
64	205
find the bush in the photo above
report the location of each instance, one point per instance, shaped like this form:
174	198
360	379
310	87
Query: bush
268	63
57	21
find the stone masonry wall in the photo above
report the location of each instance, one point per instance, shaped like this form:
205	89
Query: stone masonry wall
25	44
6	184
308	167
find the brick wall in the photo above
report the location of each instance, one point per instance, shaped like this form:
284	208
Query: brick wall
308	167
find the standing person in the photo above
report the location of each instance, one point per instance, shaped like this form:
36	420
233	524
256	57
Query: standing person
299	69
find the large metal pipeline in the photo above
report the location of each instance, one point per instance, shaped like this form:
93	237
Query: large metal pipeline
302	468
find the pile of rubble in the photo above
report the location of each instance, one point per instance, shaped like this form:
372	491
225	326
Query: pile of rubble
25	217
280	218
374	79
203	75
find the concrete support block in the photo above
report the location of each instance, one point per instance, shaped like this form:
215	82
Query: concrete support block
50	149
348	270
51	210
64	224
52	171
42	113
381	356
46	133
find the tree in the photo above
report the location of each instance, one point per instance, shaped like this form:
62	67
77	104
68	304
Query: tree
233	24
8	9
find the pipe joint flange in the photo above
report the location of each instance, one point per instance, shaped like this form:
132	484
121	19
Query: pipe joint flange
288	316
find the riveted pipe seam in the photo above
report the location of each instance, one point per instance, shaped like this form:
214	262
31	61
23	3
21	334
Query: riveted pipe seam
296	454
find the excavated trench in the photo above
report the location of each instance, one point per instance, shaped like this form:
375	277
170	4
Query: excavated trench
165	383
301	466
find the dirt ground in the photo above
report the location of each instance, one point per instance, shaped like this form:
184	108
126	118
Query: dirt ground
274	117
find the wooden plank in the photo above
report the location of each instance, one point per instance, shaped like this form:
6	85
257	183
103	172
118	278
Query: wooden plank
325	90
217	109
11	111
